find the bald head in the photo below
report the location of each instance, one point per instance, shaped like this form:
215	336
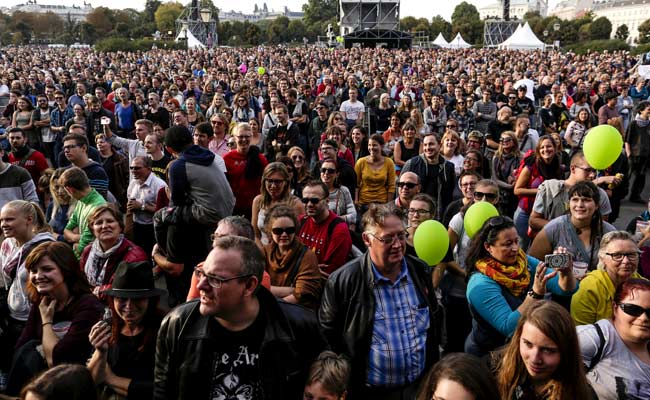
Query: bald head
409	186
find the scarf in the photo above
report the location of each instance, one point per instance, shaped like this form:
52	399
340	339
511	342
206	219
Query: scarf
95	267
515	278
282	265
642	122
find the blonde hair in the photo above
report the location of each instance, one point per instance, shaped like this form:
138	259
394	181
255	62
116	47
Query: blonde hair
57	201
33	210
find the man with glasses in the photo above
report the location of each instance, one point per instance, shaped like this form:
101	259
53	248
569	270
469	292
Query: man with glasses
381	311
75	150
329	151
237	338
408	186
141	193
552	199
324	232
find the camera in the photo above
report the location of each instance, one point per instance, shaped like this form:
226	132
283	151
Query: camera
556	261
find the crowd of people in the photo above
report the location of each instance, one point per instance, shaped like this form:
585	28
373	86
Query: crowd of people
239	223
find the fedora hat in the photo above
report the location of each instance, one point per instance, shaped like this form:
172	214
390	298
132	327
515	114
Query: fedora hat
133	281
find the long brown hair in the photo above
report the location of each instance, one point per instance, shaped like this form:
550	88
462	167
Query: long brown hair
568	380
268	171
63	256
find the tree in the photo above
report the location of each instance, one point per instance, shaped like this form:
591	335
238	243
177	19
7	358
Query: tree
318	14
407	23
167	14
622	32
467	21
644	32
439	25
102	19
601	28
296	30
150	8
277	30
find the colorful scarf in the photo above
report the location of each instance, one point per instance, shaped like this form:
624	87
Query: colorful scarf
515	278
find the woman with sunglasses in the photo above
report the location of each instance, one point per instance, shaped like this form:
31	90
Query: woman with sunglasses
293	267
340	200
615	350
504	282
242	111
245	164
275	189
579	231
618	260
542	360
505	162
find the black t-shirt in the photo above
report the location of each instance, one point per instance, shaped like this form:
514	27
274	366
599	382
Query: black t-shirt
236	361
158	167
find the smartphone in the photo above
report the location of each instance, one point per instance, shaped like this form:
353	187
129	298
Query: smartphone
105	121
108	317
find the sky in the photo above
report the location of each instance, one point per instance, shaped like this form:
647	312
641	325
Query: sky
416	8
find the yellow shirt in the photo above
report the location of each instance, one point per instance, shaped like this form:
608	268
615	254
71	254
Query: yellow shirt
374	185
593	300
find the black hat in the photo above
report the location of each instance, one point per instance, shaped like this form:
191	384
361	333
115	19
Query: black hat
133	281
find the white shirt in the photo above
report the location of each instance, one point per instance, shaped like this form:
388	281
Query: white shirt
352	110
144	193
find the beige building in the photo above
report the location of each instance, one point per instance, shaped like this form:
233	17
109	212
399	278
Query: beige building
569	9
517	9
629	12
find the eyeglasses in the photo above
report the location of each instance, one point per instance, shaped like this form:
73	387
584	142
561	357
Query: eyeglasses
328	148
471	159
505	140
243	137
70	146
389	240
294	158
487	196
276	182
58	98
290	230
512	97
214	281
634	310
135	168
408	185
588	170
498	221
618	257
327	171
418	211
219	123
451	126
460	103
312	200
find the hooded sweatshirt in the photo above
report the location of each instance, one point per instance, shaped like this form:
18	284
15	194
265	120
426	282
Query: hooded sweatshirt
197	181
18	301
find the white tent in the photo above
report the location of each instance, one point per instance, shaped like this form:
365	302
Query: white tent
459	43
523	39
192	41
440	41
507	41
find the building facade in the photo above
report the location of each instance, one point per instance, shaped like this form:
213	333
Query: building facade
629	12
76	13
517	9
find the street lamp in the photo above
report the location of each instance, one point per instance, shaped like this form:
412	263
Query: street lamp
206	15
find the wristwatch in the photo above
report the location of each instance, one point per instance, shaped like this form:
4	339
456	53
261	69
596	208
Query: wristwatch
531	293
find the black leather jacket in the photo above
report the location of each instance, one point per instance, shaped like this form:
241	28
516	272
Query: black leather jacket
348	308
184	354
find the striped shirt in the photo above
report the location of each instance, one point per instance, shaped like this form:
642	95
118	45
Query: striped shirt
397	351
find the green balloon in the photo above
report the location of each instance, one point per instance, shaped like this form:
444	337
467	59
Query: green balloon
261	70
476	216
602	146
431	242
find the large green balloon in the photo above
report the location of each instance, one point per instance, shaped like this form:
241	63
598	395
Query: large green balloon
476	216
602	146
261	70
431	242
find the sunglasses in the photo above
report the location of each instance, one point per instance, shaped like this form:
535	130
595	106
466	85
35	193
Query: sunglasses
634	310
135	168
297	158
219	123
290	230
312	200
327	171
486	196
512	97
408	185
452	126
276	182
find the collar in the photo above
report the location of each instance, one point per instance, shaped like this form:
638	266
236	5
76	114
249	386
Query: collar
378	277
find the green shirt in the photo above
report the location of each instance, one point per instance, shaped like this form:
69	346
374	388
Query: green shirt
85	206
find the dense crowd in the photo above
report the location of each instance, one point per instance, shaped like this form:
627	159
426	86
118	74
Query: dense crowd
240	223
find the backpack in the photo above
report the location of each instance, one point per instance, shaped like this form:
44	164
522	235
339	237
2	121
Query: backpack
599	353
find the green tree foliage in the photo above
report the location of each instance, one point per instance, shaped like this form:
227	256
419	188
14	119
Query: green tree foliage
467	21
644	32
600	29
622	32
318	14
166	16
102	19
277	30
438	25
149	13
408	23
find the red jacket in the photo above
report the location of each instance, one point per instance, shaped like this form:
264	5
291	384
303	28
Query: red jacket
35	164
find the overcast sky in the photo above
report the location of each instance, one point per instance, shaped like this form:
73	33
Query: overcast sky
417	8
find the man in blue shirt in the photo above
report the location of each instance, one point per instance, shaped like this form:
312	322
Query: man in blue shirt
381	311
